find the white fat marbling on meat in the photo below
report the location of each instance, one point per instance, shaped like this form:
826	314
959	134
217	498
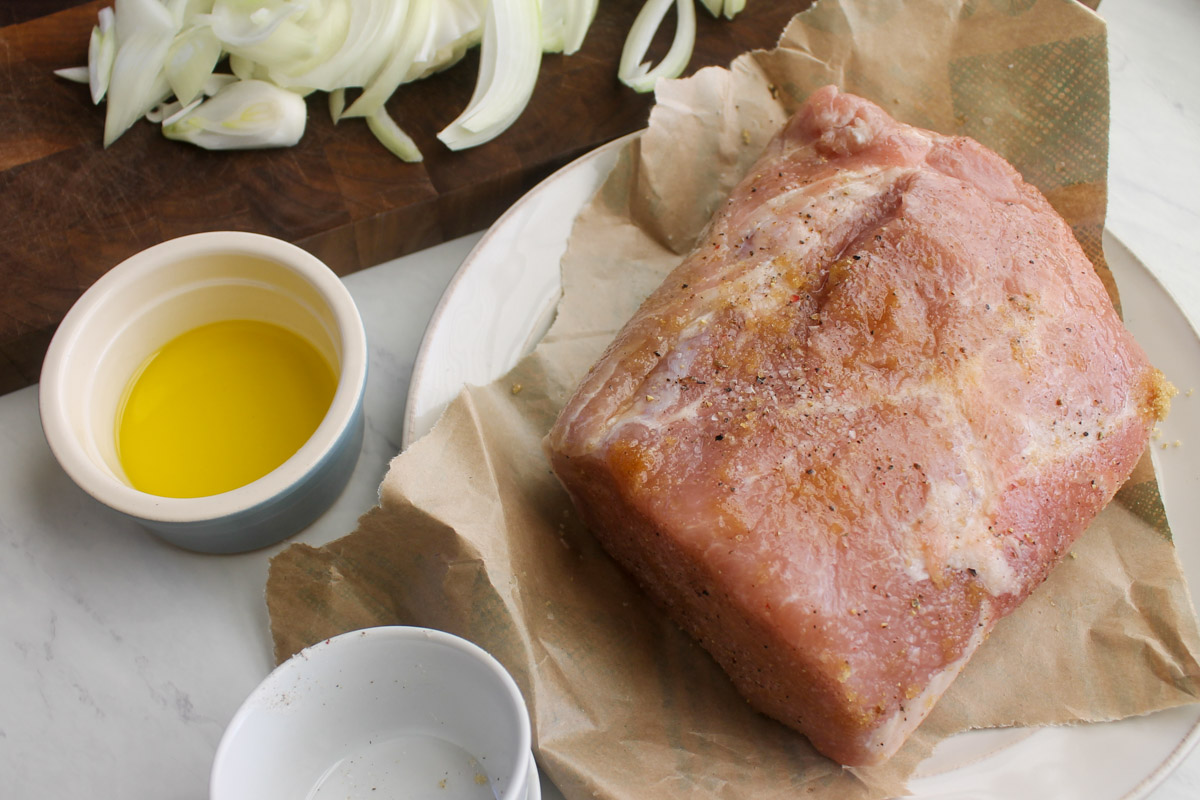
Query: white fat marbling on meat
965	542
953	528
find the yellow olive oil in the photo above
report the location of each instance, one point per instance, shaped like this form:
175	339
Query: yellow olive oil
219	407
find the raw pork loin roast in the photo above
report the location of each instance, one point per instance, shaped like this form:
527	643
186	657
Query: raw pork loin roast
860	423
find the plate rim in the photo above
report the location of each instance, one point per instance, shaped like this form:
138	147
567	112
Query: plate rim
1189	742
1177	756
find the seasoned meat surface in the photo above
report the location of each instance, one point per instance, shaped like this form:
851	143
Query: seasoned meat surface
860	422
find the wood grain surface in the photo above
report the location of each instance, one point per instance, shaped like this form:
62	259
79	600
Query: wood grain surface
70	210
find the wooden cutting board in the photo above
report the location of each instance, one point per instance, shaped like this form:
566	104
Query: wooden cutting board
70	210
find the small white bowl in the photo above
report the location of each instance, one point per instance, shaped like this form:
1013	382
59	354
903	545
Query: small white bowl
376	713
160	293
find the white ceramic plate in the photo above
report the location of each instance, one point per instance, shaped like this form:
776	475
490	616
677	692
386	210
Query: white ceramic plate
503	297
502	300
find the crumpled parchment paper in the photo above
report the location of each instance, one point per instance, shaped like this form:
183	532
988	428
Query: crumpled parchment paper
474	536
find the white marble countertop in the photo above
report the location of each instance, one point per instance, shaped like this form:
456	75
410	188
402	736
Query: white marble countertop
117	674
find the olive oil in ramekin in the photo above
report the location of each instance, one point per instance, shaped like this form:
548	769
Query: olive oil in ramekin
220	406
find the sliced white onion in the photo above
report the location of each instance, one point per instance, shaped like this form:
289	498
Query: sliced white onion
74	74
241	24
508	68
387	80
392	137
565	24
337	105
185	11
243	115
583	12
637	74
102	50
554	26
144	31
372	28
143	52
454	29
273	34
191	59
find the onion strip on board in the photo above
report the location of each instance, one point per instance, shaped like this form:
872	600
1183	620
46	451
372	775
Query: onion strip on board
389	78
243	115
144	32
638	74
509	60
102	49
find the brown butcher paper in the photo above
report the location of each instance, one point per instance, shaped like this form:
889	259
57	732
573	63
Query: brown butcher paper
473	534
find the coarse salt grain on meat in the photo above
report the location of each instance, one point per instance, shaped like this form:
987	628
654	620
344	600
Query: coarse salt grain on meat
860	422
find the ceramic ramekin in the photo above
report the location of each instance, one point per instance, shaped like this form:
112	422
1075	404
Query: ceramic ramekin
381	712
149	299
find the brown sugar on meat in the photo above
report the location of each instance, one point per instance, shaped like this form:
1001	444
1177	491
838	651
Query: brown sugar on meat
860	422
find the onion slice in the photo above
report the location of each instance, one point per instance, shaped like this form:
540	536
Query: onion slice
144	32
388	79
243	115
237	23
102	49
337	105
508	67
454	29
392	137
372	28
565	23
74	74
637	74
583	12
191	58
